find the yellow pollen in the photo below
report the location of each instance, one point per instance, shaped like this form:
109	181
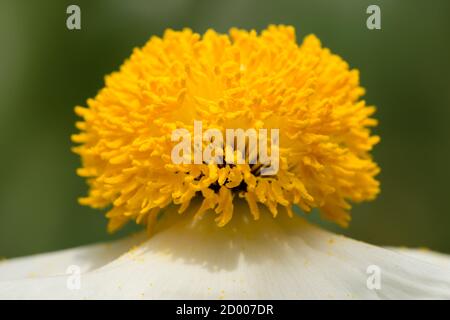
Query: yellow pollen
236	80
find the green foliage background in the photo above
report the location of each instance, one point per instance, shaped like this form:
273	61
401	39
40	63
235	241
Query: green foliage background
45	70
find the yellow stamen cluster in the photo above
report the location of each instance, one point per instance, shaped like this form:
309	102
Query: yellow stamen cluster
241	80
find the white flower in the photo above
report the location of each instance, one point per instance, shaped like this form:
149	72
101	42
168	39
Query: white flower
283	258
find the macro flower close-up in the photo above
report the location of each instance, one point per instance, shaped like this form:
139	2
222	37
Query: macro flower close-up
239	160
237	81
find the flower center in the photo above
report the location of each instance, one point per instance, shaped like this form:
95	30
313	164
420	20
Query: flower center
241	80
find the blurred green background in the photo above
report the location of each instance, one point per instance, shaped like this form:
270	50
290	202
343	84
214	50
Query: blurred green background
45	70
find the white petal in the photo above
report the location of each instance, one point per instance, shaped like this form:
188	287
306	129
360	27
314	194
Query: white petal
87	258
278	258
426	255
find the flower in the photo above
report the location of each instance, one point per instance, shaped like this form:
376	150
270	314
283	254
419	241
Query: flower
242	252
242	80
